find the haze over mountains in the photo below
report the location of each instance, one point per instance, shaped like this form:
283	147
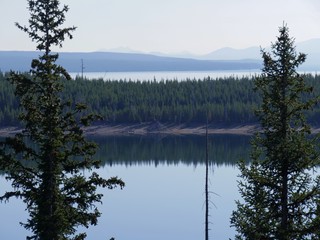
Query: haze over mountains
310	47
122	62
126	60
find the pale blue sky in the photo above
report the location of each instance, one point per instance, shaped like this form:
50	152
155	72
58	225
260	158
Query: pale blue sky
170	26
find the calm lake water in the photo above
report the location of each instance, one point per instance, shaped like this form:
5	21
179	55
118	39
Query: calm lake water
173	75
158	76
164	193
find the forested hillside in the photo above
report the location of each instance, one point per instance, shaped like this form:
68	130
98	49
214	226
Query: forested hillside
228	101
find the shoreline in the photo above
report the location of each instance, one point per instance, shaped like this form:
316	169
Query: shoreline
157	128
154	128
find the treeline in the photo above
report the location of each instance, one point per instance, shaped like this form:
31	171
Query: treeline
229	100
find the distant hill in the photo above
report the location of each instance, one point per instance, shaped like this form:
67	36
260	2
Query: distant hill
123	62
310	47
234	54
221	59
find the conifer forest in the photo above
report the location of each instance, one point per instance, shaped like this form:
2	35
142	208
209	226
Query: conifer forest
52	166
228	101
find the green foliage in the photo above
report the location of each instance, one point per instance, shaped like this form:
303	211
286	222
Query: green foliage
228	100
280	192
46	161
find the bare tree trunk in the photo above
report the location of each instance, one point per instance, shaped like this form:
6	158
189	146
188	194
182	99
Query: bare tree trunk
207	189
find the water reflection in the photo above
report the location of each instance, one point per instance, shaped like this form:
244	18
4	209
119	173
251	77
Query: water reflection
164	193
172	150
164	197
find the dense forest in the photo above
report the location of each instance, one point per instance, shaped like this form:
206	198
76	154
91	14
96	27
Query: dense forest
228	101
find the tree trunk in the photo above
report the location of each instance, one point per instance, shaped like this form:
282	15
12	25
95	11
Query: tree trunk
207	189
284	202
284	162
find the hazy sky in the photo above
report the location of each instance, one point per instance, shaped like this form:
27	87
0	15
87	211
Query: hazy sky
169	26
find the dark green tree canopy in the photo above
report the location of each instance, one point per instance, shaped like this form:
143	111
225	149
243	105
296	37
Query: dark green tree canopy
228	101
45	24
47	160
280	193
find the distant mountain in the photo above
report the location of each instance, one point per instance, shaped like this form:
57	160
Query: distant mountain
120	50
123	62
312	49
310	46
184	54
233	54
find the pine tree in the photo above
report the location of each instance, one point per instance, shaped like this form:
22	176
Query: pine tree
49	160
279	189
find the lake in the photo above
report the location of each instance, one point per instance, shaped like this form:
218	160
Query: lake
164	193
165	75
172	75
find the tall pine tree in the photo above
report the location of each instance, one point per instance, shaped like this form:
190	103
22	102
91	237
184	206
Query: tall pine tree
47	160
279	189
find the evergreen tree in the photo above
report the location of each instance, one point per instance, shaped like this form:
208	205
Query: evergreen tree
47	160
279	190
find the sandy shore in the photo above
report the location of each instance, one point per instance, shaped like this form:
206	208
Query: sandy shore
158	128
168	129
154	128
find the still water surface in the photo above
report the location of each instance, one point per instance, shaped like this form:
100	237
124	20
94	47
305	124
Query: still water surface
172	75
164	193
165	75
